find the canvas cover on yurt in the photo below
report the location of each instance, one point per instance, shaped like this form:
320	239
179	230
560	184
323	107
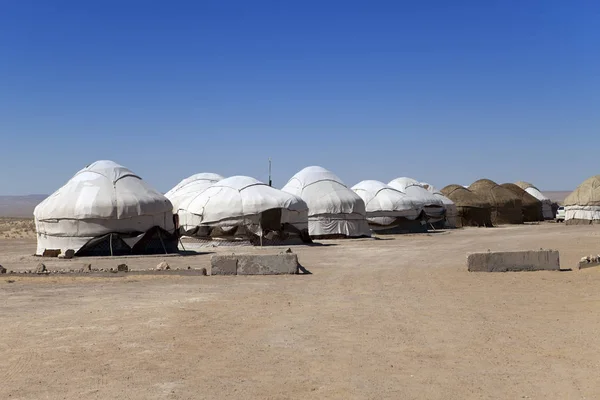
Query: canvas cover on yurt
583	205
532	207
506	206
388	208
471	209
432	206
451	220
192	185
334	210
105	209
240	206
547	211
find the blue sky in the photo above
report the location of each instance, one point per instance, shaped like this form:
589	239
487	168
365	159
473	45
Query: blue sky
442	91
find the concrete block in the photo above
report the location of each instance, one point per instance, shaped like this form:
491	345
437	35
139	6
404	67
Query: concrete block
589	261
503	261
223	265
254	264
268	264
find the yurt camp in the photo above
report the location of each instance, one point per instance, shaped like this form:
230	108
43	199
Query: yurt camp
105	209
547	211
334	210
531	207
471	209
388	209
192	185
432	206
240	208
582	207
451	216
505	205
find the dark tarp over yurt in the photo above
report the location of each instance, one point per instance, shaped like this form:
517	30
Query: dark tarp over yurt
582	207
532	207
472	210
506	206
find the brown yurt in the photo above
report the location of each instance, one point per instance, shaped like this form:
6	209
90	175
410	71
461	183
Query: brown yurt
506	206
582	207
472	210
531	207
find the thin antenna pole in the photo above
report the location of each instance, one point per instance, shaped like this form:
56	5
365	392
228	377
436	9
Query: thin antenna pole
270	182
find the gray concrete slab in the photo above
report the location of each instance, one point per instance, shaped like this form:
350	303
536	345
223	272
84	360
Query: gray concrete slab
254	264
534	260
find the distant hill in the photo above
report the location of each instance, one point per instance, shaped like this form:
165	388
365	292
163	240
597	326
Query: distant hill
20	206
557	195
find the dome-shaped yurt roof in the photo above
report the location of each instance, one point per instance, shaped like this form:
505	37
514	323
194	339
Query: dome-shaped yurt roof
241	203
506	206
532	207
472	210
432	205
389	208
192	185
333	208
582	206
383	200
547	211
103	198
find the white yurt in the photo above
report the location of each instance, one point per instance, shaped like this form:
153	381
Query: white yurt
240	207
389	209
334	210
451	220
535	192
432	205
105	209
582	206
192	185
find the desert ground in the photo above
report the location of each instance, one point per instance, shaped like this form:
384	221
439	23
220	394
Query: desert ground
398	318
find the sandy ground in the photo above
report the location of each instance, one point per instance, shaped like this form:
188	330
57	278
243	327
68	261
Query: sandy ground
377	319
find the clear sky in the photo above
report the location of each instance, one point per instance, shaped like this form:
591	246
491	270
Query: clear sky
441	91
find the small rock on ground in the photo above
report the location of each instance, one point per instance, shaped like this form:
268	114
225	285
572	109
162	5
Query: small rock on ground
41	269
163	266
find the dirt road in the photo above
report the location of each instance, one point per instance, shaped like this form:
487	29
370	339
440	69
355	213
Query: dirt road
377	319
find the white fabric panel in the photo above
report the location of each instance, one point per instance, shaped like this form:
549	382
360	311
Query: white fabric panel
591	213
102	198
194	184
384	201
351	225
433	206
547	212
234	200
102	190
330	203
546	202
324	192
